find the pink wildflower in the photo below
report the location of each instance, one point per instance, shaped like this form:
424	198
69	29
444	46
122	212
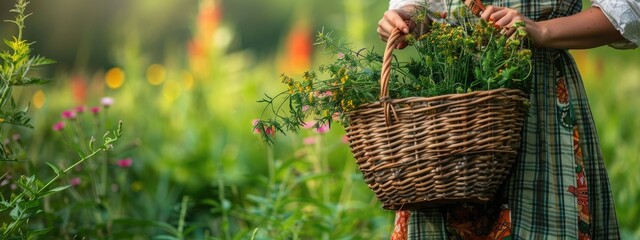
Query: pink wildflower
305	108
58	126
340	55
80	109
310	140
323	94
125	163
254	123
268	130
345	139
95	110
75	181
323	128
308	125
106	102
69	114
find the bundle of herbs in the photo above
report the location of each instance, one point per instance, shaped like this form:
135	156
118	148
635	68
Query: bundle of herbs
450	59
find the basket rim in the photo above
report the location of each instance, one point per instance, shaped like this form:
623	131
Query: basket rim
505	92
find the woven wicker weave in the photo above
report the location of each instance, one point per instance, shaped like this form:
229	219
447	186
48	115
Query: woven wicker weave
418	152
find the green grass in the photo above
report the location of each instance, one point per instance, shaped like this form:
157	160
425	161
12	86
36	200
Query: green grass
611	80
199	172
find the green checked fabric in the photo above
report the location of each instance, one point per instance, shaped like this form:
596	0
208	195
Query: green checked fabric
559	188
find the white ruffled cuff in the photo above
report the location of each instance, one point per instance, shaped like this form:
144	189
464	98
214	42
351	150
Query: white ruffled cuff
397	4
625	17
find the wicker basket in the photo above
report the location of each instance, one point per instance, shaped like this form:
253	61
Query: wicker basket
418	152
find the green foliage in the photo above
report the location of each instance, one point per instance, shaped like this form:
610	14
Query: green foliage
353	81
27	203
451	59
610	78
194	142
15	63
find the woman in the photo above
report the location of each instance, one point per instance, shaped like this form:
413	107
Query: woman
559	188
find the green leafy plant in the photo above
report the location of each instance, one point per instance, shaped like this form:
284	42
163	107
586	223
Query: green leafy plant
25	203
28	202
16	61
99	188
451	58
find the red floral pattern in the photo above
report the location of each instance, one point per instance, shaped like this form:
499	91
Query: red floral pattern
401	227
466	221
479	222
580	190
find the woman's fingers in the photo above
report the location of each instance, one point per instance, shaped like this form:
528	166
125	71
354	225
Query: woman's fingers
504	18
488	12
382	30
391	20
508	31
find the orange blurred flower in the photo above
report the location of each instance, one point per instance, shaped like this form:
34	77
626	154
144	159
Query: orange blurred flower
79	88
298	49
207	22
208	18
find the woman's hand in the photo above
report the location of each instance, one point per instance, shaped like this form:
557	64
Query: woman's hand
396	19
505	18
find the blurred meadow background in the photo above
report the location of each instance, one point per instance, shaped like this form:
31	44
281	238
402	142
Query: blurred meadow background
184	76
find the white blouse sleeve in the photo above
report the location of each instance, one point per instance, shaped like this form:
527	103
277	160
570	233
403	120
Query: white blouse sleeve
433	5
625	16
397	4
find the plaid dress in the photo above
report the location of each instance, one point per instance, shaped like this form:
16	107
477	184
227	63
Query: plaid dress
558	188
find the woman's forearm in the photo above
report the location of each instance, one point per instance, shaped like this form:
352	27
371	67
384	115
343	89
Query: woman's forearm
587	29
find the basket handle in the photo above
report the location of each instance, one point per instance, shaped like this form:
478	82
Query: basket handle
387	107
476	8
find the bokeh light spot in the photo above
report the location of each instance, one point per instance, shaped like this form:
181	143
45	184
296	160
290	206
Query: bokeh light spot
38	99
156	74
187	80
114	78
171	91
137	186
